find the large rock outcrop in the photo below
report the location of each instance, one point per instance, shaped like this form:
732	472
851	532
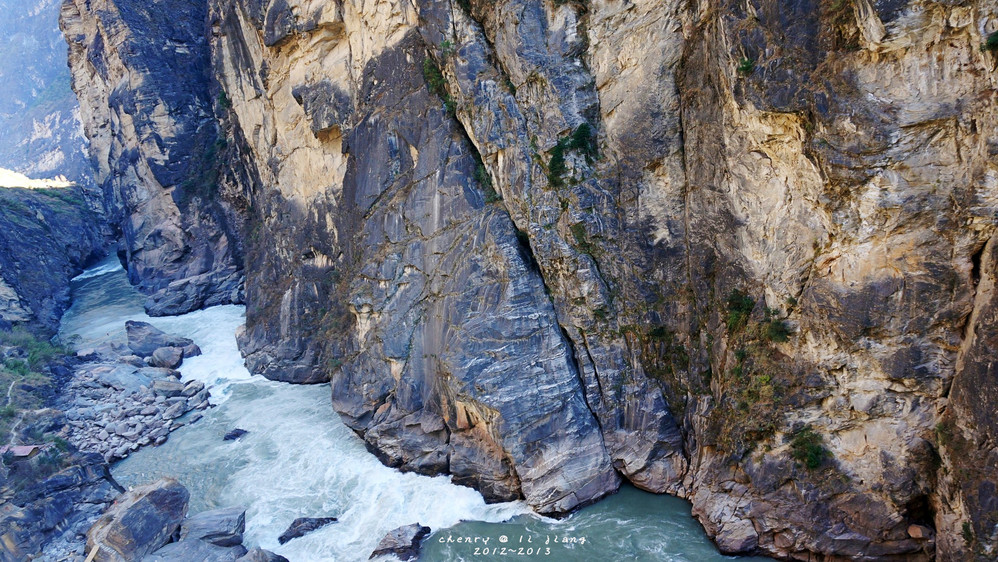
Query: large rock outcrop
46	509
47	237
140	522
141	73
737	252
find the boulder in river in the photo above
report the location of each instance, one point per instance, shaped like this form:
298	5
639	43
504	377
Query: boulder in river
304	525
222	527
260	555
234	434
168	388
403	542
121	377
192	388
167	357
140	522
144	338
194	550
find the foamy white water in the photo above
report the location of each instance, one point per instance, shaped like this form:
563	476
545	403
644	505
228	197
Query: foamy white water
298	459
109	264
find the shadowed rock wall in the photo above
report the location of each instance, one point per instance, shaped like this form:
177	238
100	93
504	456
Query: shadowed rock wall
730	251
141	72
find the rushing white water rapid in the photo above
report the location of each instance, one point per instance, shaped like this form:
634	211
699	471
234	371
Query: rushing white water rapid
299	460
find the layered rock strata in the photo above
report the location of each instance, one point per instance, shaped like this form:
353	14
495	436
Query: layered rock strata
735	252
47	237
46	512
141	73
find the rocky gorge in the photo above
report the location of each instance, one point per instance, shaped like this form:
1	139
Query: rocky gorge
738	252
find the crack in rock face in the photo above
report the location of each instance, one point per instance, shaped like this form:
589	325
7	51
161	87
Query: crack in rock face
736	252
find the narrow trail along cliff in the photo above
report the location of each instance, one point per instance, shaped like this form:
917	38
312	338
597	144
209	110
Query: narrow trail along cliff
739	252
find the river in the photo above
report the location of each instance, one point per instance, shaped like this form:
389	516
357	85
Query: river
299	460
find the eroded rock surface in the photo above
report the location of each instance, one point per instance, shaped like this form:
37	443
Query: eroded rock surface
47	237
140	522
403	543
734	252
45	513
141	73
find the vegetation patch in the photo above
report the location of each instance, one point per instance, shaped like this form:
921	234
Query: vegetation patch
582	141
581	239
437	84
746	66
991	43
757	379
968	533
484	180
740	307
775	329
223	101
25	375
807	447
68	195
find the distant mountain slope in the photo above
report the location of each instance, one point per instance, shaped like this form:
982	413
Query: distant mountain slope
40	131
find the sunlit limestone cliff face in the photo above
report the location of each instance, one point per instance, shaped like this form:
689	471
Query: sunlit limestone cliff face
737	252
141	73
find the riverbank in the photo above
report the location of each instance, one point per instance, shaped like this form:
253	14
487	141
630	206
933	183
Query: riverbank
294	459
297	459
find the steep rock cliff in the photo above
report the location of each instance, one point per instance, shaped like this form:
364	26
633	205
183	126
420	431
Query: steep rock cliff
47	237
141	73
730	251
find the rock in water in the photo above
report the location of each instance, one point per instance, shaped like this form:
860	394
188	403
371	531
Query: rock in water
403	542
168	388
144	338
234	434
260	555
196	551
191	351
304	525
140	522
167	357
222	527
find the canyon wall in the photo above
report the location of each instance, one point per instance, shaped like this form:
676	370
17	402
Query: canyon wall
47	237
140	71
739	252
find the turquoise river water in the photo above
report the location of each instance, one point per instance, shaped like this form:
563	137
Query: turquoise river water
300	460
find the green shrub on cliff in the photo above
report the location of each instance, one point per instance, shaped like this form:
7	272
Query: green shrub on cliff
223	101
740	306
807	447
437	84
777	330
991	43
583	141
968	533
